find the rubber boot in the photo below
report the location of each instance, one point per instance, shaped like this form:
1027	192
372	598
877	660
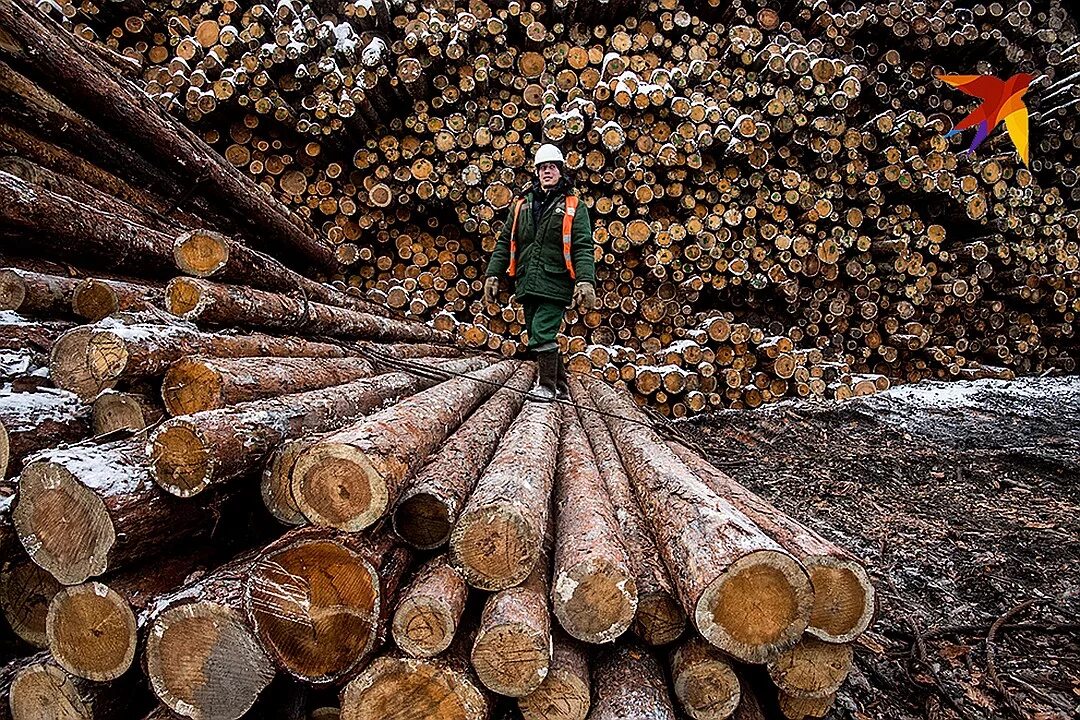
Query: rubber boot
548	362
562	387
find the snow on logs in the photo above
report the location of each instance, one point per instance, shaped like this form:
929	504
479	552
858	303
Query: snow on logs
745	593
31	421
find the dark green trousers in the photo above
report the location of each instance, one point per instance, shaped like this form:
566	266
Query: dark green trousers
543	318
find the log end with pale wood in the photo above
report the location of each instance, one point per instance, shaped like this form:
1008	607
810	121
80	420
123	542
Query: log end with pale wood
811	668
338	485
91	631
401	688
43	691
704	681
565	692
201	253
429	609
844	603
183	457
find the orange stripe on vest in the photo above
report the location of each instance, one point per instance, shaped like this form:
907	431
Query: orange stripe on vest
567	230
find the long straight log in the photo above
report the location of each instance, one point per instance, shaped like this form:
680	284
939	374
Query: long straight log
745	593
703	681
430	506
19	333
97	298
593	591
351	478
429	609
319	600
843	594
194	299
194	452
660	618
629	682
32	421
566	691
96	357
36	294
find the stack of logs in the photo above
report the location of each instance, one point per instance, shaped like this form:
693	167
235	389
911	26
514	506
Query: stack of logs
783	162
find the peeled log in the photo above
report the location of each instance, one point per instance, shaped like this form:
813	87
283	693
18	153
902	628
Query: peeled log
318	600
351	478
628	682
430	506
96	357
38	294
660	618
97	298
202	659
199	300
843	594
114	411
512	649
704	681
746	594
25	593
195	384
31	421
193	452
812	668
429	609
593	592
565	692
498	537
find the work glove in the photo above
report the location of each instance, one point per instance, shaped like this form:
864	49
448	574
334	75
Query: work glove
584	296
491	290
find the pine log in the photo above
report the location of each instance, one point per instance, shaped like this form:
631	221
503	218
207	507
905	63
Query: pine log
703	681
746	594
201	657
566	691
593	591
25	593
276	484
812	668
36	294
408	351
497	539
97	298
351	478
429	609
750	705
194	299
114	411
193	452
660	618
513	646
195	384
795	707
430	506
628	682
18	332
11	669
121	104
24	369
43	690
88	508
31	421
96	357
319	600
843	594
8	541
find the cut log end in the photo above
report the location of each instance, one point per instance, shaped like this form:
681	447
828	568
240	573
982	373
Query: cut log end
190	386
12	290
91	631
106	358
68	364
565	693
660	619
182	458
43	691
794	707
94	300
315	607
812	668
495	546
25	593
512	659
203	663
335	485
404	688
843	599
183	297
423	521
759	606
275	485
595	601
423	626
201	253
117	411
704	681
64	526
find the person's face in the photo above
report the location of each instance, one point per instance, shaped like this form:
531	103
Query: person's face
548	174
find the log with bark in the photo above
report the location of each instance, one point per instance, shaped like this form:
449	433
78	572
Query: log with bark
566	691
36	294
629	682
351	478
704	681
25	593
32	421
20	333
812	668
42	689
96	298
429	609
114	411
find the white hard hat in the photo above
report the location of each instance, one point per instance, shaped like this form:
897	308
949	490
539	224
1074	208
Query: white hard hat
548	153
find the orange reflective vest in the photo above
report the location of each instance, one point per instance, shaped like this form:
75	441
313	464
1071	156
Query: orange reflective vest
567	227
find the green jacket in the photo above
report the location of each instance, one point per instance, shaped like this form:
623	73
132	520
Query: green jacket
540	270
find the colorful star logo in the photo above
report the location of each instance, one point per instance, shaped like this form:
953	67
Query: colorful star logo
1002	100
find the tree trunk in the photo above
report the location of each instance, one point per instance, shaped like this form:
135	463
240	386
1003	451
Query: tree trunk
97	298
794	707
25	593
351	478
843	595
276	484
25	370
628	682
19	333
812	668
195	384
43	690
96	357
37	294
593	592
660	618
498	537
566	691
408	351
114	411
429	609
745	593
704	681
32	421
319	600
192	452
433	500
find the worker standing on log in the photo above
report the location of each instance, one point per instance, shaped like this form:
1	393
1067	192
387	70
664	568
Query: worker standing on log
546	246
